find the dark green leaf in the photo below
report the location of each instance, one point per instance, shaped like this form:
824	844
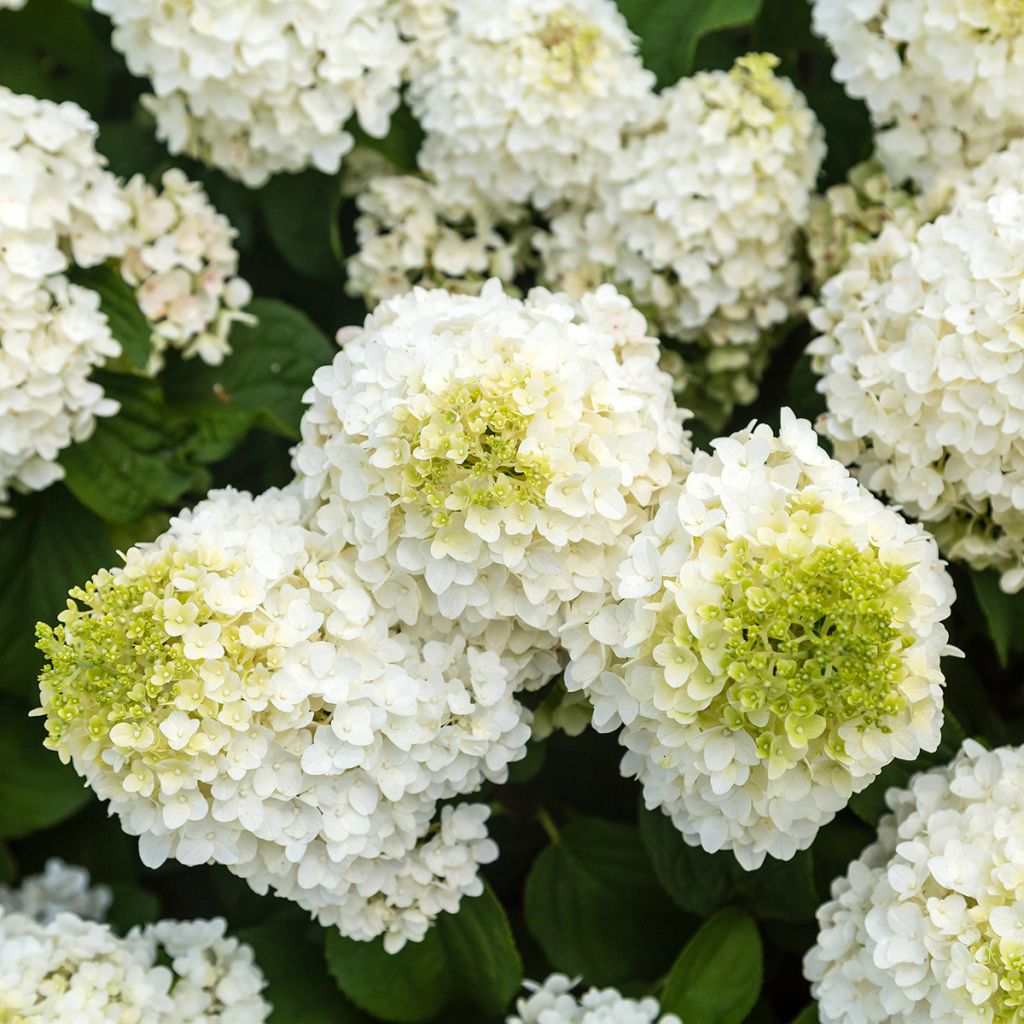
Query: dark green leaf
301	214
1003	612
809	1015
8	869
134	462
670	30
717	978
400	145
468	956
870	805
132	906
290	952
262	381
117	300
594	905
36	790
51	545
702	883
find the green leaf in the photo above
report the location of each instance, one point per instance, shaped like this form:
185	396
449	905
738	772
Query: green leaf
670	30
50	545
468	956
809	1015
702	883
261	383
36	790
134	462
301	215
117	300
870	805
290	952
8	868
1003	612
401	144
717	978
594	905
132	905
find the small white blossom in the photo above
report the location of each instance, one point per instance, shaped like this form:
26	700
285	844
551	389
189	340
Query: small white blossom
922	372
60	889
553	1002
772	643
926	926
256	87
499	449
942	79
528	99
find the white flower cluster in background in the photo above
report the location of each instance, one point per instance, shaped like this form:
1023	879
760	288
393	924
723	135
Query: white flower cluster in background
245	694
942	79
698	219
920	355
12	4
181	260
500	450
59	889
410	233
772	642
255	87
553	1002
59	964
529	99
927	926
62	210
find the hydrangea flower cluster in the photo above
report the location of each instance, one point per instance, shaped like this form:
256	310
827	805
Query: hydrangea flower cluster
409	233
921	367
61	209
500	450
927	926
181	260
255	87
60	889
244	693
773	641
529	99
942	79
553	1002
698	218
172	972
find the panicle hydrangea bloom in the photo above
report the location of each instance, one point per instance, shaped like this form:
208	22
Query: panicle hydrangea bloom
243	697
182	262
172	972
409	233
927	926
528	99
942	79
255	87
772	643
499	449
698	219
60	889
553	1002
12	4
923	370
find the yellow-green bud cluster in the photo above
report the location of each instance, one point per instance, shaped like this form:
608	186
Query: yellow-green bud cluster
572	45
807	645
468	450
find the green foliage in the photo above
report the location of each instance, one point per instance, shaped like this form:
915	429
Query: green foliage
717	978
466	958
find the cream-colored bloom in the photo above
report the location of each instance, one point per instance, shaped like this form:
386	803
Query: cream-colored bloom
923	373
926	927
553	1002
59	889
772	643
499	449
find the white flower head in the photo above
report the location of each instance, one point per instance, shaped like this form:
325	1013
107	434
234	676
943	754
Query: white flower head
244	694
528	99
772	643
553	1002
698	220
498	449
927	926
942	79
920	354
59	889
256	87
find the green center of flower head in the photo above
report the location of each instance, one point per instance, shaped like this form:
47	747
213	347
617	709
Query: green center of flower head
469	449
755	73
572	46
1000	971
798	645
1004	17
